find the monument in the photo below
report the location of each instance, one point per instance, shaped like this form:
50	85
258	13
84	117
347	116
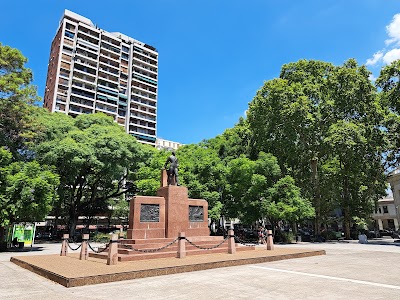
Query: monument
168	213
159	225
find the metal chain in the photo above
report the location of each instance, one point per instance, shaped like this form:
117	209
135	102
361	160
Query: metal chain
98	251
209	248
150	250
69	246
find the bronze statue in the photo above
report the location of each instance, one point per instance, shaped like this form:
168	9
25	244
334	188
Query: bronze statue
172	171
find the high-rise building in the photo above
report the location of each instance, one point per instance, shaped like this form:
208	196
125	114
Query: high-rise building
91	70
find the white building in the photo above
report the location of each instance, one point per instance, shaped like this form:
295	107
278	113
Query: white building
394	180
385	214
167	145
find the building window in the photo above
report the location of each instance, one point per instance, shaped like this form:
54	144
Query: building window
391	224
385	210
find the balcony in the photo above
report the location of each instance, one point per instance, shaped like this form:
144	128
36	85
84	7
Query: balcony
82	93
107	90
88	87
69	34
88	43
107	99
143	116
87	51
106	108
85	62
144	67
109	70
110	55
110	48
85	69
143	101
144	79
86	55
86	78
88	104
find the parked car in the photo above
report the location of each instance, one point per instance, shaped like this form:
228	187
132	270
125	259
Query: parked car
372	234
396	234
386	232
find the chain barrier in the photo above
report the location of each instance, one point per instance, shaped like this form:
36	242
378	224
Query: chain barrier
151	250
99	251
69	246
246	243
208	248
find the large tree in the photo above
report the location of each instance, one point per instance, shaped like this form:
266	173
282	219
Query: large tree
295	116
27	190
93	156
16	93
389	83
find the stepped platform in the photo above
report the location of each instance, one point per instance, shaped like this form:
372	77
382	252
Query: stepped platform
135	249
69	271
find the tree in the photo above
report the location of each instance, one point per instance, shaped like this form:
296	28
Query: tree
285	203
15	93
248	184
94	158
27	190
388	82
294	116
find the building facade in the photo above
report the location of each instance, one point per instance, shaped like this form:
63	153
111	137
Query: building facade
394	181
162	144
91	70
385	215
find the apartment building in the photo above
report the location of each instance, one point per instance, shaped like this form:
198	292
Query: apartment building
91	70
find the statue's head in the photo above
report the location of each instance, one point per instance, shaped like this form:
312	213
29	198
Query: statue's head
173	153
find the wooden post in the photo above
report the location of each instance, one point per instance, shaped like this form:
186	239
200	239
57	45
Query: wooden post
84	251
64	246
231	242
270	240
112	257
181	245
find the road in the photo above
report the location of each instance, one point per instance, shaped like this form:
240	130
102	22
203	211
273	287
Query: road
348	271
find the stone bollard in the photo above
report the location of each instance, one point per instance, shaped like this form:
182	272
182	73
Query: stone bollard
270	240
231	242
112	257
64	246
84	248
181	245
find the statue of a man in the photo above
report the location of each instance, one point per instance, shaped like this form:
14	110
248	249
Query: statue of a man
173	168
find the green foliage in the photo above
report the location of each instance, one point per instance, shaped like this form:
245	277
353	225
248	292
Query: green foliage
388	82
15	93
287	237
27	190
101	237
330	118
285	202
93	156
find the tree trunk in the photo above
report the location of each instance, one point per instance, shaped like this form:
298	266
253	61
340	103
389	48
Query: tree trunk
346	202
317	195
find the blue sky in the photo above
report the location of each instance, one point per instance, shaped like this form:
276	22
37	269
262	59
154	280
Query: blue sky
215	54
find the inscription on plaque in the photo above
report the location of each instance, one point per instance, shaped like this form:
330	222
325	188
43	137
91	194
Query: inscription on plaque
196	213
149	213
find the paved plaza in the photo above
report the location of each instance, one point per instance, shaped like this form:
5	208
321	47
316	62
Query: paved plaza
347	271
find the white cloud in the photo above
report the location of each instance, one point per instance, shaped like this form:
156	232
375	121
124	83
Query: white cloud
393	30
372	61
391	56
372	77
